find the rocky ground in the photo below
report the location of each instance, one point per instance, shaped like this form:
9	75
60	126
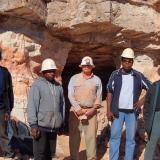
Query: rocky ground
63	151
102	142
67	30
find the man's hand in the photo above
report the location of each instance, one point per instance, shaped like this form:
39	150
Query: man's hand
110	116
90	112
97	106
80	112
146	137
61	130
139	103
35	133
6	117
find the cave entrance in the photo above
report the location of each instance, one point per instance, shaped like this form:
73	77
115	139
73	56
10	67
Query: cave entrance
104	63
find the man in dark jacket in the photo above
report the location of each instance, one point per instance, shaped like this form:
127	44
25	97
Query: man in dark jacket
124	88
152	118
6	105
45	111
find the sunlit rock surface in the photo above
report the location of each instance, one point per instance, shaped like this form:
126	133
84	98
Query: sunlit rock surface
67	30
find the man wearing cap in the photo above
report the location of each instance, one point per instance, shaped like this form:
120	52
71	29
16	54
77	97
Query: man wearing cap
84	92
6	105
123	91
45	111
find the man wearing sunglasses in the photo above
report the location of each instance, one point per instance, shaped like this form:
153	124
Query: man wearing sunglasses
85	93
45	111
123	91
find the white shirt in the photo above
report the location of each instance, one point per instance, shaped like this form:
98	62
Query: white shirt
126	93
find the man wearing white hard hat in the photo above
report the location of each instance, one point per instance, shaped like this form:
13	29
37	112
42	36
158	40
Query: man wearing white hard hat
85	94
123	91
46	110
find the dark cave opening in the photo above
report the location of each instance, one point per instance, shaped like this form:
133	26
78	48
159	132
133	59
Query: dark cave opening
71	69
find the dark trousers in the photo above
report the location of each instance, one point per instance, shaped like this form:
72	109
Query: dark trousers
4	140
45	147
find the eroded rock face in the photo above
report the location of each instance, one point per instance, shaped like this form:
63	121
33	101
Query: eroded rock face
67	30
107	27
23	49
34	11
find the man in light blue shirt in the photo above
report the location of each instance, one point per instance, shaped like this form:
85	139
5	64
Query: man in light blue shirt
85	94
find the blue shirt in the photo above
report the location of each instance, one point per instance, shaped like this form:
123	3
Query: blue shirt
84	92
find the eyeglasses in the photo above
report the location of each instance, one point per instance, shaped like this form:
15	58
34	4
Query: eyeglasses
127	61
49	71
86	66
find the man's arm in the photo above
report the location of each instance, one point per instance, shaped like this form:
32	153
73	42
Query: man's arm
146	84
147	104
62	103
147	111
110	115
140	102
33	105
110	90
10	92
98	100
32	111
74	103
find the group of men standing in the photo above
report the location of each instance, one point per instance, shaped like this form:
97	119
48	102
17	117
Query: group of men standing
46	108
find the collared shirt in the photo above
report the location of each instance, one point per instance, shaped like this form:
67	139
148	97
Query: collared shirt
115	84
84	92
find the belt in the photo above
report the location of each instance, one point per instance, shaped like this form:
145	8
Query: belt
126	110
85	107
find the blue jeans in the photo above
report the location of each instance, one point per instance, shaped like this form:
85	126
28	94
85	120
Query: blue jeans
116	129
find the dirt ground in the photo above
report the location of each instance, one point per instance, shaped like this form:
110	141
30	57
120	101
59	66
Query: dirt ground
63	151
63	143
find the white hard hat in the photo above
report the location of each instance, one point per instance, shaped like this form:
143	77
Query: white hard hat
128	53
87	61
48	64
